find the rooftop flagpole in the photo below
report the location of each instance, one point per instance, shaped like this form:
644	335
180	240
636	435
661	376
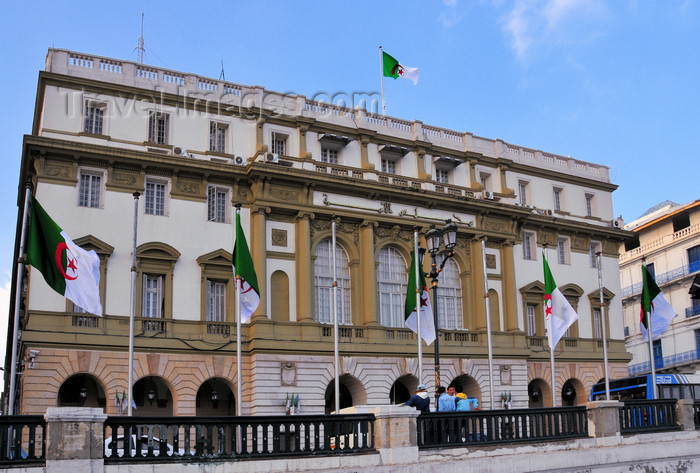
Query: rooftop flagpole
132	308
18	299
381	76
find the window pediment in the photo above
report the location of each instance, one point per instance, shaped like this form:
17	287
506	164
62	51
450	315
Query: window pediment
157	251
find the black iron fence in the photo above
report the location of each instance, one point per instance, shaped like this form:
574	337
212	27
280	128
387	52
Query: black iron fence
195	438
450	429
649	415
22	440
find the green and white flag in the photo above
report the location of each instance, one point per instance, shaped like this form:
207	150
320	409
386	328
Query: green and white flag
655	304
427	325
68	269
557	308
243	267
392	68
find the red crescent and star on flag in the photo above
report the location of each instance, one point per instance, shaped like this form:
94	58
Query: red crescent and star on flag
71	267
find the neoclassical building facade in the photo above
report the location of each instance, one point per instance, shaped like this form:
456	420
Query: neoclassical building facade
193	147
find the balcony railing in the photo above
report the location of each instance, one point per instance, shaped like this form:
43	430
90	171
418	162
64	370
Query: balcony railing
665	362
663	278
665	240
22	440
692	311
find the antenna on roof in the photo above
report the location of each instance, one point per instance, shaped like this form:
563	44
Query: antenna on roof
222	76
140	47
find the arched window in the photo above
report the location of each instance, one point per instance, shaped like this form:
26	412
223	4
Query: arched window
450	298
391	280
323	283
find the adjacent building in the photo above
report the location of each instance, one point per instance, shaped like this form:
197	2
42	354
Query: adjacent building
666	239
111	135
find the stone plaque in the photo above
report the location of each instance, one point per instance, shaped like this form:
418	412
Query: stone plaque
491	261
279	237
289	373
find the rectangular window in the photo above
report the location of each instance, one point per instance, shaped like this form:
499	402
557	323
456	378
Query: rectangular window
697	339
158	123
388	166
531	329
562	251
592	252
652	271
694	259
329	155
441	176
90	190
217	203
557	198
279	144
216	301
522	192
217	137
627	331
155	197
658	353
485	179
597	326
152	296
589	205
527	246
93	118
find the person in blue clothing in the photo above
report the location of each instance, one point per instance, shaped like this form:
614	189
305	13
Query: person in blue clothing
420	399
447	401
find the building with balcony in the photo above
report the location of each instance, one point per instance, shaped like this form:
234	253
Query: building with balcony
666	239
194	146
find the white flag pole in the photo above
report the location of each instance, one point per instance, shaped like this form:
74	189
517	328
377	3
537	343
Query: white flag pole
488	320
551	348
599	257
649	335
381	75
336	356
18	299
239	364
419	291
132	308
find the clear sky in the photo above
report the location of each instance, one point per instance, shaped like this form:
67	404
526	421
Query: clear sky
613	82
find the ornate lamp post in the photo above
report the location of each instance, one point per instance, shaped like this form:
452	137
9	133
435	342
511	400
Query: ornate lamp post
433	238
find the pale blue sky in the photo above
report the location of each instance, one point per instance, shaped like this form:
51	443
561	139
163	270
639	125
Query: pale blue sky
613	82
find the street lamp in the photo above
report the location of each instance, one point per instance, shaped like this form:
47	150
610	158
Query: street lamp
448	235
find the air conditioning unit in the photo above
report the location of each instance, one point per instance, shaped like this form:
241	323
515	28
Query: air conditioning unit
487	195
239	160
177	151
548	212
617	223
272	158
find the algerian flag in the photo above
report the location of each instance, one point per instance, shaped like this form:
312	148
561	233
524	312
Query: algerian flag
243	268
557	308
68	269
392	68
427	326
655	304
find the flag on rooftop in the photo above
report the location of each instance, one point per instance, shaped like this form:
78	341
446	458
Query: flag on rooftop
557	308
392	68
655	304
427	326
243	268
70	270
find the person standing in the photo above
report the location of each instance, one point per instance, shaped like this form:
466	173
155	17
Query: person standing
446	401
420	399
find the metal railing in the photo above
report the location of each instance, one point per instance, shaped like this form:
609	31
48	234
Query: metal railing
666	362
663	278
159	439
450	429
648	415
22	440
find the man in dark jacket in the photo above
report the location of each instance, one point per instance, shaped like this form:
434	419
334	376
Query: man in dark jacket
420	399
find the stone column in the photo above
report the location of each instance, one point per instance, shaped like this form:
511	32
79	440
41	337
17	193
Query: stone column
478	301
302	142
258	249
304	284
368	273
364	158
509	290
395	432
603	418
685	414
74	439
